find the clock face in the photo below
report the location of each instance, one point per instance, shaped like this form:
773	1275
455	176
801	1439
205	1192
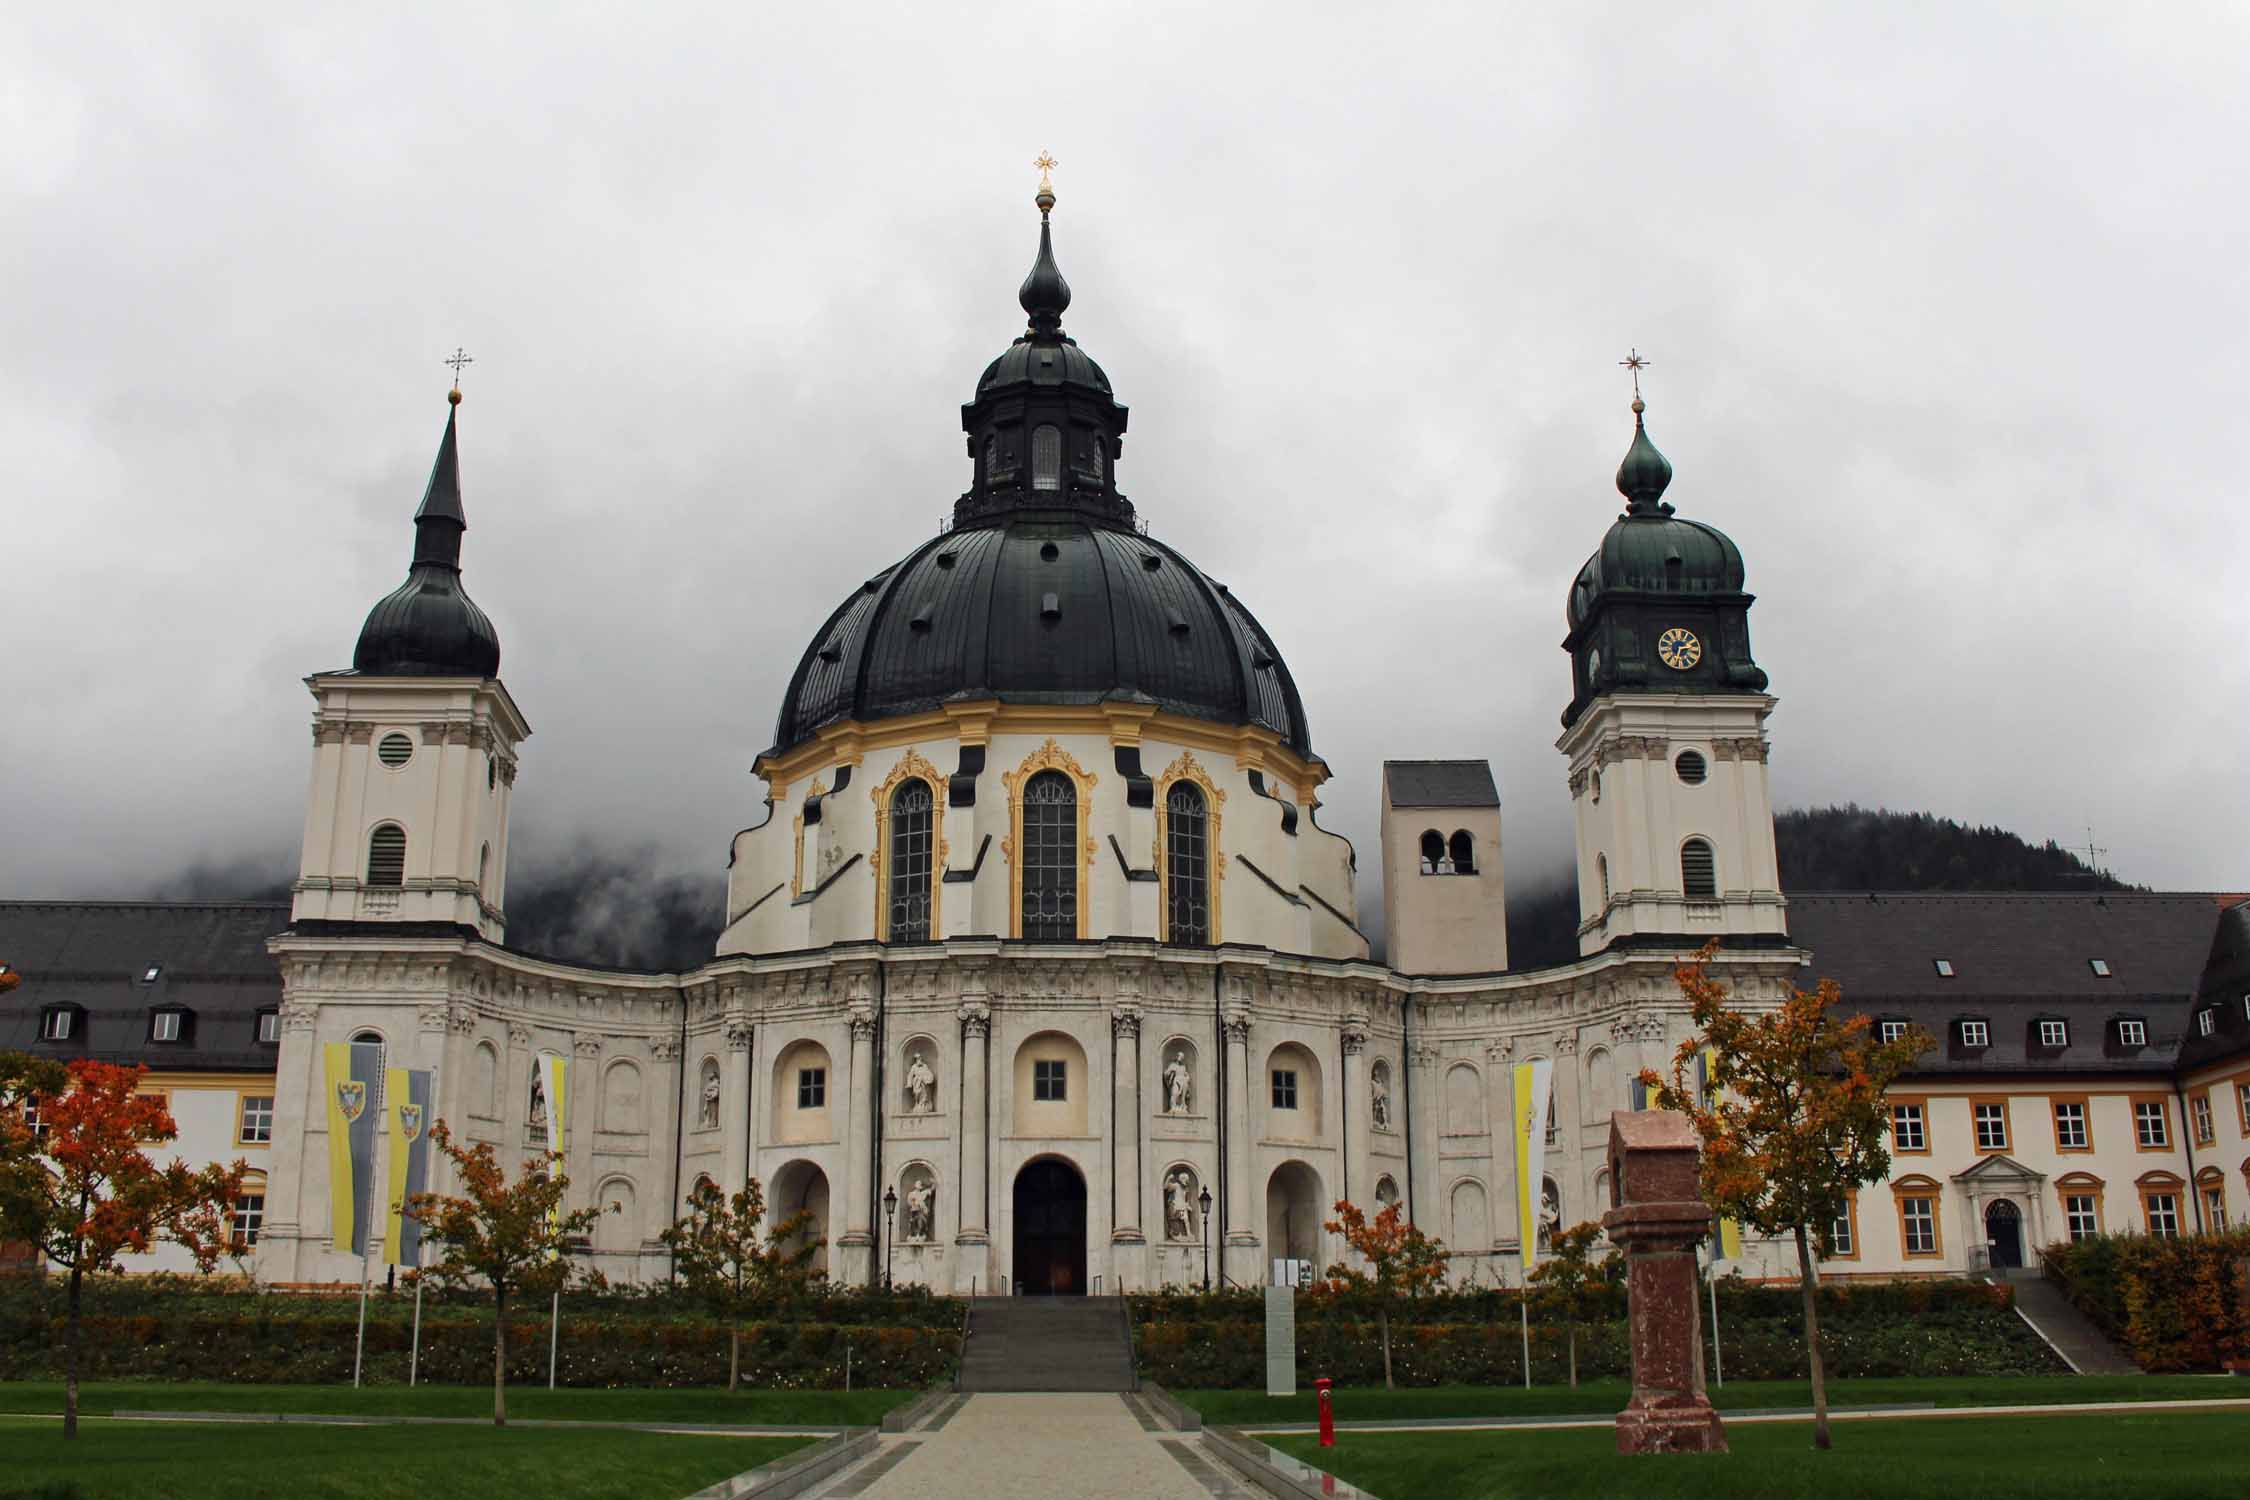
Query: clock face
1679	649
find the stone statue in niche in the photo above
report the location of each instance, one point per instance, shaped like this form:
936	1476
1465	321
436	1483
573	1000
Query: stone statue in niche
1550	1216
1379	1101
920	1221
1179	1205
921	1084
707	1112
538	1096
1179	1085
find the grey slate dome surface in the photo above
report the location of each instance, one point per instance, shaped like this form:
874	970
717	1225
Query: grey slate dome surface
1649	550
429	626
1046	607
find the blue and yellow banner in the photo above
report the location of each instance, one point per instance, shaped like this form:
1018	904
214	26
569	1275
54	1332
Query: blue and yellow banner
1535	1083
352	1080
407	1093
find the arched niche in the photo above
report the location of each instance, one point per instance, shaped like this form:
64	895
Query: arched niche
1182	1188
621	1097
1386	1192
1464	1100
1051	1085
1472	1217
1292	1093
485	1076
1179	1087
618	1232
707	1092
1382	1105
1601	1083
920	1083
1294	1206
804	1094
801	1187
917	1204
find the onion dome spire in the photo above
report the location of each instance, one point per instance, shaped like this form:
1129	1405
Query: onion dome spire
1045	295
1641	479
428	626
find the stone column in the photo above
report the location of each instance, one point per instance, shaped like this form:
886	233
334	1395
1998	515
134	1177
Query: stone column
1241	1251
1359	1164
858	1238
1422	1122
1659	1220
1125	1127
734	1104
1500	1124
656	1214
972	1258
580	1123
515	1096
299	1168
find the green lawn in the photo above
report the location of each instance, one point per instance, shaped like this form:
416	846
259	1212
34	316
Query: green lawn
2162	1455
826	1408
135	1460
1604	1397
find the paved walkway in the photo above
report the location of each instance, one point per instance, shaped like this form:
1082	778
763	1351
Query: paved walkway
1742	1415
1057	1447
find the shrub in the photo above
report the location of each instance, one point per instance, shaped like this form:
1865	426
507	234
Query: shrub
2172	1303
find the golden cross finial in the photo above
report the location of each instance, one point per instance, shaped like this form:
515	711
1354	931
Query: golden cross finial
1046	164
1636	364
458	358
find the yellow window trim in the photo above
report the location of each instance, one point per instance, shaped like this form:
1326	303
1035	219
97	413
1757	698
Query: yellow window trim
1920	1187
1050	756
2086	1116
2007	1125
911	767
1187	768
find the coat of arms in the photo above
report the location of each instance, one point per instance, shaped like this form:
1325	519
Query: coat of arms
351	1098
410	1120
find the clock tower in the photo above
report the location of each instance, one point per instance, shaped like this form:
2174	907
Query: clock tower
1666	729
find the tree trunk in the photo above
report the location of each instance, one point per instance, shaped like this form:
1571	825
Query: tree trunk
734	1357
499	1356
1383	1315
70	1352
1812	1341
1574	1354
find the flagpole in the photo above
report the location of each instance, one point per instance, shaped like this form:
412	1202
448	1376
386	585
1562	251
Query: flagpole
554	1331
367	1224
414	1359
1711	1281
1523	1305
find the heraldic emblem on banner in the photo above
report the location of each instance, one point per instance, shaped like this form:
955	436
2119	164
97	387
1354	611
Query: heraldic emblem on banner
410	1121
351	1098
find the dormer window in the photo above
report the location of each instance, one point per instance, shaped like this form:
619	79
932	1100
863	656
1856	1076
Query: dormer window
2207	1020
2054	1033
1889	1031
167	1025
269	1027
1944	967
58	1023
1976	1034
2100	966
152	973
2132	1033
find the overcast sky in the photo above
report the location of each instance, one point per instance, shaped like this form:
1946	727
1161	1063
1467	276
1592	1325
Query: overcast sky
1946	305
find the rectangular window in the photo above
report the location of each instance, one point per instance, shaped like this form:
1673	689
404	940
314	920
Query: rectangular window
1975	1034
257	1119
2215	1207
55	1026
2070	1125
31	1120
1992	1125
164	1026
1919	1217
2206	1021
2149	1125
2242	1103
2100	966
1840	1241
1284	1088
812	1088
249	1218
1890	1031
1907	1133
2132	1033
2163	1215
2199	1108
1944	967
269	1026
2084	1219
1050	1080
2054	1033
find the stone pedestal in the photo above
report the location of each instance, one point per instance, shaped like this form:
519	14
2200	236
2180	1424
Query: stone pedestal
1658	1219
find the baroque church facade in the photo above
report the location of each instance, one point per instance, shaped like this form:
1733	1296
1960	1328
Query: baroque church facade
1039	971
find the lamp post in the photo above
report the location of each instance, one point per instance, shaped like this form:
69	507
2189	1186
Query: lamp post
890	1232
1203	1202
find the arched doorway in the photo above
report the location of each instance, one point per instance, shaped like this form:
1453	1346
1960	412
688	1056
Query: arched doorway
1050	1239
2003	1233
1293	1205
801	1187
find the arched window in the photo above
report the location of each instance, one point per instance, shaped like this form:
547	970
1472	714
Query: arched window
911	844
1046	458
1464	852
991	456
1699	871
1050	855
386	856
1601	868
484	866
1433	852
1187	865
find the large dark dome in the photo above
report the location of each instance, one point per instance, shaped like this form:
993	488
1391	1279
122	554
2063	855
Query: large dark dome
1045	607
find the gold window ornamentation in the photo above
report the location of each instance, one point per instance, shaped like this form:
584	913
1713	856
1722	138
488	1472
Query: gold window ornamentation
912	766
1187	768
1048	757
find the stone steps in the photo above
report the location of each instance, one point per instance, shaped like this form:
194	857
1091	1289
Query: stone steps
2042	1304
1048	1344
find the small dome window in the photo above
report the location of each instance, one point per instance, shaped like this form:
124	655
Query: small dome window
1699	871
394	750
1691	767
1046	458
386	856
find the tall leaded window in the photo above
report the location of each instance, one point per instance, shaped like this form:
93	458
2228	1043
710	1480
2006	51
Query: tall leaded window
1050	856
1046	458
1187	865
386	856
912	847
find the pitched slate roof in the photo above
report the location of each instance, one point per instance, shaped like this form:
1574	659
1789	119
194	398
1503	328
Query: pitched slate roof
210	959
1441	783
2018	959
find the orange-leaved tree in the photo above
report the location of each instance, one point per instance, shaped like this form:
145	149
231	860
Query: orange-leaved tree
515	1237
1401	1262
1791	1115
730	1266
1568	1274
86	1193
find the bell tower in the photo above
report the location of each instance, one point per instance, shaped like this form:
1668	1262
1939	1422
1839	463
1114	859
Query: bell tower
1666	729
414	748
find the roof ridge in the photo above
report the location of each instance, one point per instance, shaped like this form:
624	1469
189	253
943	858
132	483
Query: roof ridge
199	905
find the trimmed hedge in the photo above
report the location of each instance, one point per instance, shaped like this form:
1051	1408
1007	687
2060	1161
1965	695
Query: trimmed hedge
1475	1338
2173	1304
174	1328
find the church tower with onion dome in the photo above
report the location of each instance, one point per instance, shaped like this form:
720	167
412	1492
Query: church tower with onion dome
1666	728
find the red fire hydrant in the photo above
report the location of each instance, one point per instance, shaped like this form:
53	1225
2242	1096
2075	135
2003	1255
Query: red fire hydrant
1327	1412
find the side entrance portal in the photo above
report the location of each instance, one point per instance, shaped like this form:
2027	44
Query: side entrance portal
1050	1242
2003	1234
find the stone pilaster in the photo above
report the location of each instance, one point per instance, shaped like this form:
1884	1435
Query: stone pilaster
734	1104
972	1261
1242	1233
858	1239
1359	1181
1125	1127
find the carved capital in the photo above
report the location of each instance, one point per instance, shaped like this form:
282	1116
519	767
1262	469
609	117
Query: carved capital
1425	1056
519	1036
1355	1038
359	734
328	732
298	1016
1124	1023
586	1046
740	1033
1500	1049
665	1049
1578	781
863	1029
460	1020
1238	1030
430	1017
976	1022
459	734
1566	1045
